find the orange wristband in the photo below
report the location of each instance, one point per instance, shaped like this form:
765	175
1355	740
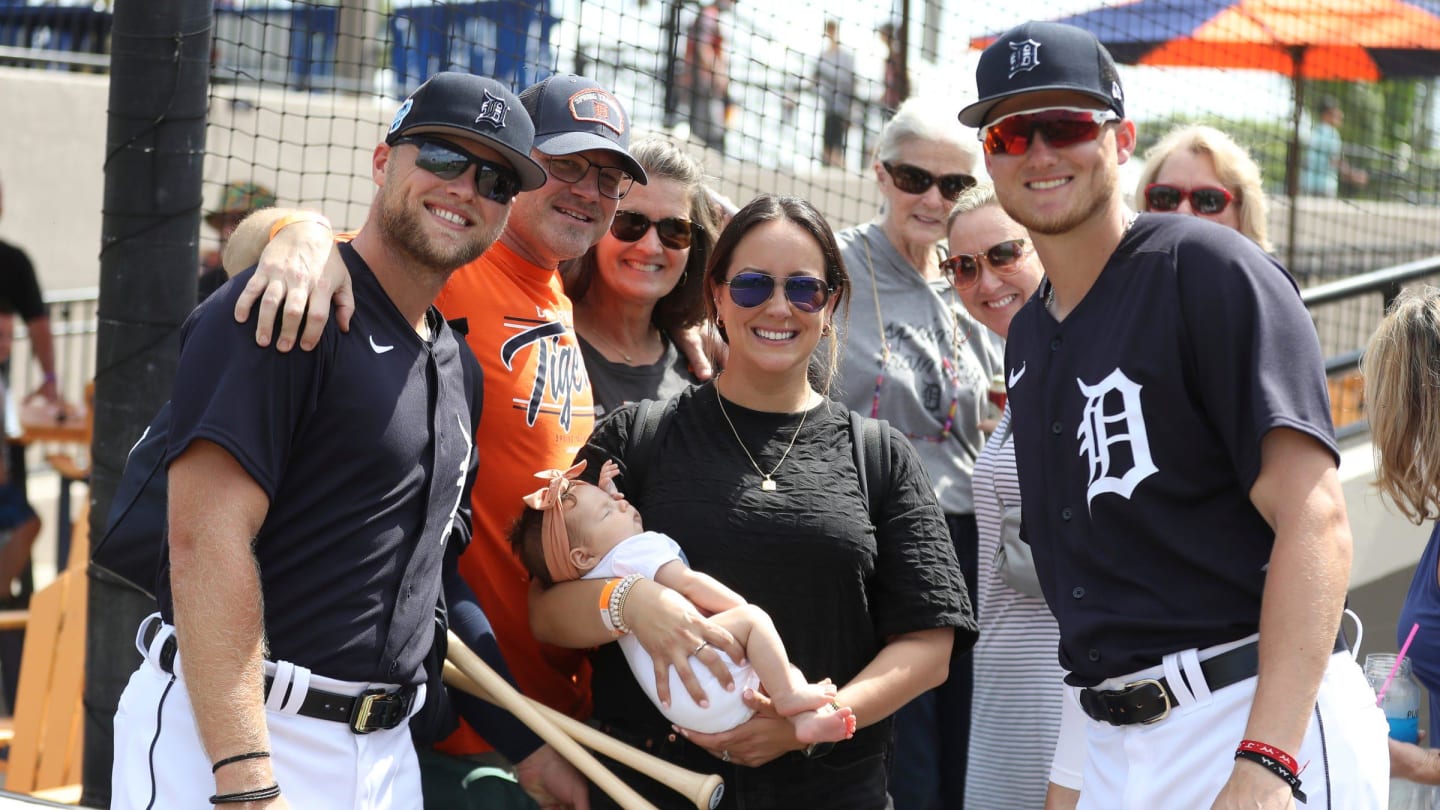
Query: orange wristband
299	216
605	594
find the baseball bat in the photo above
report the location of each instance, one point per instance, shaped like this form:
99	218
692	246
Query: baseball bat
704	789
507	698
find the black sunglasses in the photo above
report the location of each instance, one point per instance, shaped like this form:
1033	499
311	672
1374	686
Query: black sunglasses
493	181
1204	200
631	226
963	269
915	180
611	181
805	293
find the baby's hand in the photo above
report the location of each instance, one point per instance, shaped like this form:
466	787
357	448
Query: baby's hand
608	472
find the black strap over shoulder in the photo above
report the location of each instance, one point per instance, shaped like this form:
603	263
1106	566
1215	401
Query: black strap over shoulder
870	439
645	434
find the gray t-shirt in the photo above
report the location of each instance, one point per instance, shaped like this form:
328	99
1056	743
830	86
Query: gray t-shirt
940	359
616	384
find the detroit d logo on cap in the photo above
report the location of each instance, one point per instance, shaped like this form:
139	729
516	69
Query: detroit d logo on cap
1024	56
401	113
493	111
598	107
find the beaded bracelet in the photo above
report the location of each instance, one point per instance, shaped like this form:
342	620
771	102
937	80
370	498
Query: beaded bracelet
605	594
297	217
617	602
258	794
239	758
1276	767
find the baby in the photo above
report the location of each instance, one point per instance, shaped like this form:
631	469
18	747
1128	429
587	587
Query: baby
573	530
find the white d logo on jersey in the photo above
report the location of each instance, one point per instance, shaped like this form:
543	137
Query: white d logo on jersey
1099	431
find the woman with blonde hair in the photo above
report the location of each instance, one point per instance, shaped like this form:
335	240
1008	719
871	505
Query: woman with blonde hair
1402	397
1201	171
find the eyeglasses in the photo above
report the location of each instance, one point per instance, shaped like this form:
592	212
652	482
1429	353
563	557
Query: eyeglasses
493	181
915	180
631	226
1061	126
612	182
805	293
1203	200
963	269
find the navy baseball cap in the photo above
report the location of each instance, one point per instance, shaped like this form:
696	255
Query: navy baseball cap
1036	56
471	106
573	114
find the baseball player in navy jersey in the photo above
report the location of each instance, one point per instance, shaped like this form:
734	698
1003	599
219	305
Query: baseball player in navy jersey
1178	468
315	497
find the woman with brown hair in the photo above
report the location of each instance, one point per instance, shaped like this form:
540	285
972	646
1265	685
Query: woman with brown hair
754	475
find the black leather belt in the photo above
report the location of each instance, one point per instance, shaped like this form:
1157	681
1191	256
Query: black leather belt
371	710
1150	700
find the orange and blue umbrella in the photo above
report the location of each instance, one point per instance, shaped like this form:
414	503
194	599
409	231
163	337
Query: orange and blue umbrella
1349	40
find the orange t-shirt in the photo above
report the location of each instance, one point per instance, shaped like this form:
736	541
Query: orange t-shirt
538	411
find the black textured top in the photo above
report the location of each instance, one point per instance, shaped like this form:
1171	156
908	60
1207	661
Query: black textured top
835	585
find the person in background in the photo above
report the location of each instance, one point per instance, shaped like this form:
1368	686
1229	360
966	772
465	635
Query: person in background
835	85
1201	171
19	526
1324	167
708	72
1177	465
1402	397
643	280
20	295
912	356
237	201
755	476
994	268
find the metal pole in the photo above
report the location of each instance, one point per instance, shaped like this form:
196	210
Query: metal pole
1292	157
672	62
904	35
155	148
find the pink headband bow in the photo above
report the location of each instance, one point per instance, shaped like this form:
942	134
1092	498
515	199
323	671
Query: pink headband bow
554	538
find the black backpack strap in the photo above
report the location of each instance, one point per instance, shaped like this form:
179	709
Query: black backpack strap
870	440
651	418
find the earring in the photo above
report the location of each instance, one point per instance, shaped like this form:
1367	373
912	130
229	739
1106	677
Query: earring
684	274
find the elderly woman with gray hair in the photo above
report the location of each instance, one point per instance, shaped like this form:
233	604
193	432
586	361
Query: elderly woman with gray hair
914	357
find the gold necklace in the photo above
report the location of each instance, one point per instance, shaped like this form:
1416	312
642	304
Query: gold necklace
767	483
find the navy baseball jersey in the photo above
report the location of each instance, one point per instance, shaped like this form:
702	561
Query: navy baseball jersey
1137	425
364	447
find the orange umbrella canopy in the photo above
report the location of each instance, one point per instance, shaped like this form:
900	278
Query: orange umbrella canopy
1352	40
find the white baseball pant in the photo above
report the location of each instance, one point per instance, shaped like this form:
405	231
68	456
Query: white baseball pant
321	764
1184	760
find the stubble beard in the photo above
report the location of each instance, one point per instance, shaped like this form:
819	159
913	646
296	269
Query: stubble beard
1104	187
403	228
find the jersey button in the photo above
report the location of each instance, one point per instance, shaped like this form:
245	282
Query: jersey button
1078	593
1056	428
1066	514
1094	655
1055	344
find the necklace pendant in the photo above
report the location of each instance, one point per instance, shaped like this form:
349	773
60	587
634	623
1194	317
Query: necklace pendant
768	485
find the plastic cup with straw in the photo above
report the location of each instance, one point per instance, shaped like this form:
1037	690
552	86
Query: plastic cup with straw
1400	656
